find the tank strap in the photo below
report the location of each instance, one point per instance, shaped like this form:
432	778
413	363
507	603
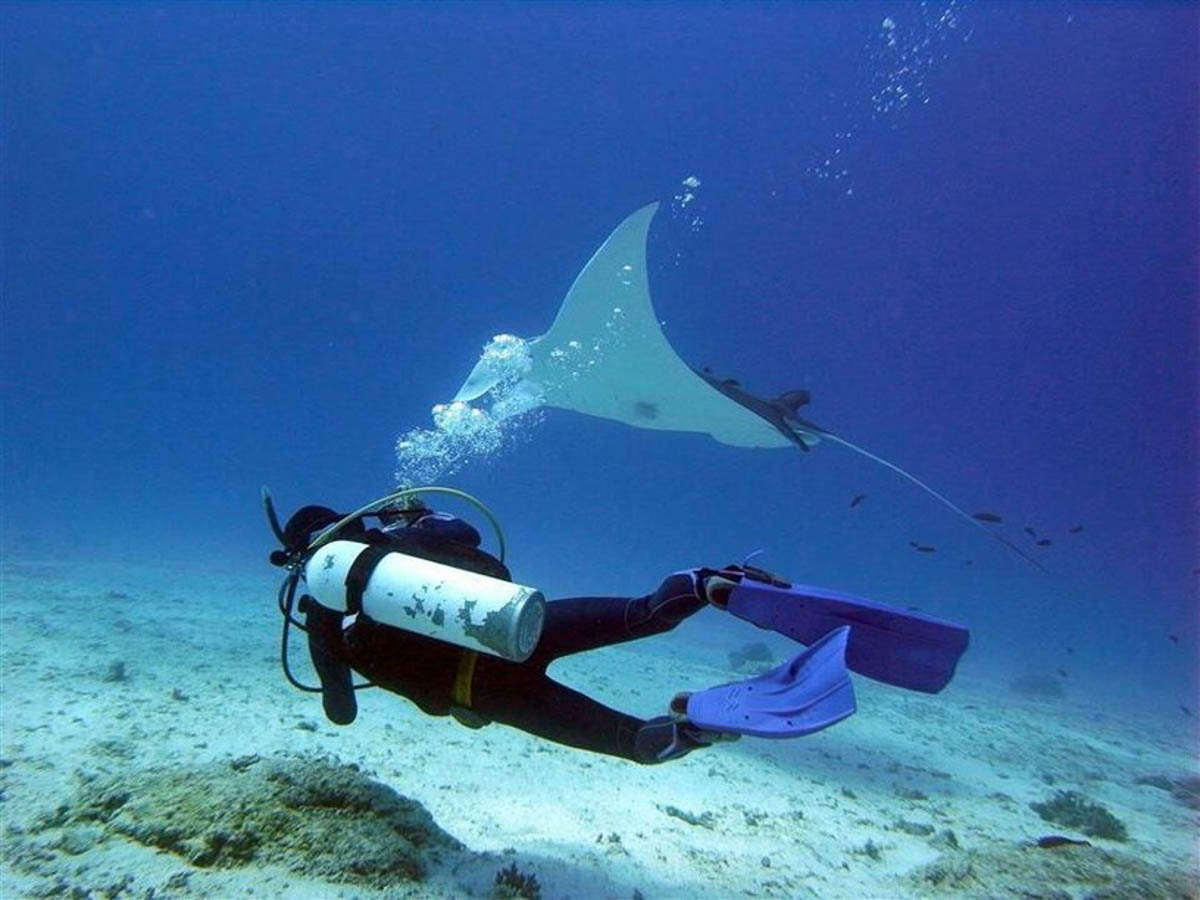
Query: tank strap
360	573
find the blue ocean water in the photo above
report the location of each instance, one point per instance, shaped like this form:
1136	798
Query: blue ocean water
255	243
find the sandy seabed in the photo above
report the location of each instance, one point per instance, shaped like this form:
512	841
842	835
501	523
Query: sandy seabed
125	686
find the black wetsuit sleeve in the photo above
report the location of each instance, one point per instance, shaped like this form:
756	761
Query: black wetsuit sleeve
327	650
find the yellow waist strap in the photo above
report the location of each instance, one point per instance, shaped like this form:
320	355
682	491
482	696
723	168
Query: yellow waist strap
462	680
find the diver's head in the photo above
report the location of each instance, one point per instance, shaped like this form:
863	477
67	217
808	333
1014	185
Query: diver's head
305	523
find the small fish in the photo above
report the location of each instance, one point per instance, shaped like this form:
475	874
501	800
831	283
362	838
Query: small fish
1029	531
1174	638
1075	529
969	562
1044	542
923	548
1070	650
1054	841
986	517
1186	711
1062	673
858	498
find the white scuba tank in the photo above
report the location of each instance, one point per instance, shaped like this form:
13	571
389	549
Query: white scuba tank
439	601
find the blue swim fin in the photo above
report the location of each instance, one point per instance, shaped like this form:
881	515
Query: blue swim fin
810	691
900	647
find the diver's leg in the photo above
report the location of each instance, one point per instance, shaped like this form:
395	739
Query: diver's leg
585	623
529	700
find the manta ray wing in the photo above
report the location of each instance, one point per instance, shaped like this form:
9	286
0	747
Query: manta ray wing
605	354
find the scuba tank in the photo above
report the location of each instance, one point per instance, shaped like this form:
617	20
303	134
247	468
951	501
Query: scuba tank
430	598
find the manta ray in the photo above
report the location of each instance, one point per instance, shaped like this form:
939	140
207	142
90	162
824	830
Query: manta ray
605	355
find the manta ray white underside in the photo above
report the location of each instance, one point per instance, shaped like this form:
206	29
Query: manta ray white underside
606	355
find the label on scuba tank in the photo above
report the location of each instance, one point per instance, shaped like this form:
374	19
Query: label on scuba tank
443	602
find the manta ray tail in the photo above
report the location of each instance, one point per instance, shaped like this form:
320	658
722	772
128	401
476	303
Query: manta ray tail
945	501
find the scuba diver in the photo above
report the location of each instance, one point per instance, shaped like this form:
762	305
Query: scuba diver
415	606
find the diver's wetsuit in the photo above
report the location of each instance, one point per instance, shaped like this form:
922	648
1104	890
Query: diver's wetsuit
443	679
522	694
